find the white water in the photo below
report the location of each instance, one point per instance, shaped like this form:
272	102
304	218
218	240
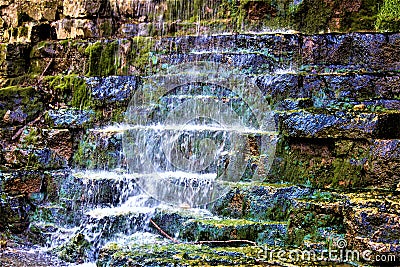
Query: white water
192	128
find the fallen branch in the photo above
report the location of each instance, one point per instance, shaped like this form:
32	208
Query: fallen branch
164	233
19	132
44	71
244	241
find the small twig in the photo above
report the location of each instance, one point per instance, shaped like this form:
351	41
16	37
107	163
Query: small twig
19	132
44	71
204	241
224	242
164	233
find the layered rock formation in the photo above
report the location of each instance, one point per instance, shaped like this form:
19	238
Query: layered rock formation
68	67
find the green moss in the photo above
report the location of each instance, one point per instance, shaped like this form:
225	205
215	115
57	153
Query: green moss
141	56
312	16
75	250
226	222
27	98
388	18
363	19
23	31
31	138
179	255
83	157
71	90
347	174
341	168
103	58
106	28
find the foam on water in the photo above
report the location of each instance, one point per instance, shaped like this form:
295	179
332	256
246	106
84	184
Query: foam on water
189	128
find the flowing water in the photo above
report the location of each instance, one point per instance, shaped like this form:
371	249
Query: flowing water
187	135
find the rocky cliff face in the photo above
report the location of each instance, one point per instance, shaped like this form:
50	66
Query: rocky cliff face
70	66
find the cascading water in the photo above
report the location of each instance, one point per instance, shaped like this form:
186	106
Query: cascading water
188	134
194	129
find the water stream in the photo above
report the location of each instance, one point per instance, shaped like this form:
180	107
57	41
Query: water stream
187	135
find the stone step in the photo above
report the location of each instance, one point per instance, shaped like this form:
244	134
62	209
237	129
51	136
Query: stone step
199	225
271	233
179	255
372	222
30	159
341	124
97	188
259	201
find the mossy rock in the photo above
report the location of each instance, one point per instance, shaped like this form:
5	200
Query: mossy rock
20	104
103	58
75	251
388	18
69	90
233	229
179	255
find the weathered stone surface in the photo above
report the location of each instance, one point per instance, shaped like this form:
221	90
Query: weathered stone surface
270	233
323	88
75	29
69	118
338	163
19	105
356	51
59	140
372	223
13	59
259	202
83	8
281	87
22	182
14	210
100	149
15	158
340	124
112	89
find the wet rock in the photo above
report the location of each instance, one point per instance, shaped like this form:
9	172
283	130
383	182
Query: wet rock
14	210
280	88
112	89
338	125
60	141
75	251
91	189
172	219
179	255
19	105
32	159
356	51
323	88
100	149
372	223
259	202
233	229
69	118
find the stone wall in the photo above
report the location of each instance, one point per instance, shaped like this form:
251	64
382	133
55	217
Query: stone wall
68	67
